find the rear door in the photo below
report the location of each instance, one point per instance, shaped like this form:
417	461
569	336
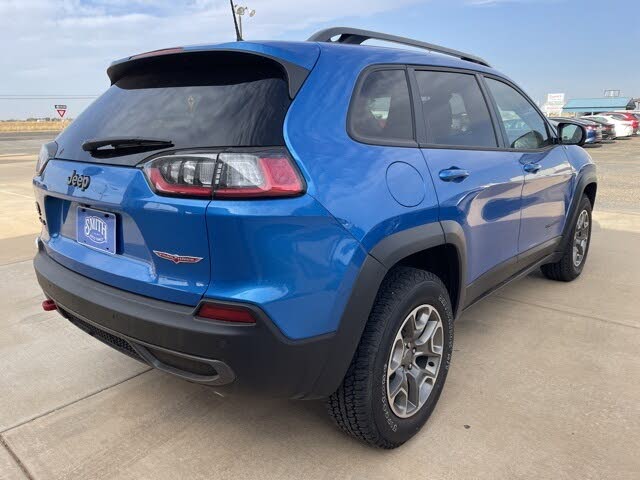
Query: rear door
548	175
478	184
102	217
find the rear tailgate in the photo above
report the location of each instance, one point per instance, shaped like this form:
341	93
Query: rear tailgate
90	200
144	223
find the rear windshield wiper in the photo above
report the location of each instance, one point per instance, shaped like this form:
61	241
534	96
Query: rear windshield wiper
119	143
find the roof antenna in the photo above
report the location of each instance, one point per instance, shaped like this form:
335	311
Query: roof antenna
235	22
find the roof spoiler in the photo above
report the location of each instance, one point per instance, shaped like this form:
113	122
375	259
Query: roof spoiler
296	75
355	36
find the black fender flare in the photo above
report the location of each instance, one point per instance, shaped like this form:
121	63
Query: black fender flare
586	176
380	259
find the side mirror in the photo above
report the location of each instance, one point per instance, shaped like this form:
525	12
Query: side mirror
572	134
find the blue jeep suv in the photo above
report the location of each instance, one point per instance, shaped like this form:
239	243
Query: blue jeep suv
306	219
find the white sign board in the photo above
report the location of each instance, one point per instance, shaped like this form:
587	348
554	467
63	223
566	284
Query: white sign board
555	98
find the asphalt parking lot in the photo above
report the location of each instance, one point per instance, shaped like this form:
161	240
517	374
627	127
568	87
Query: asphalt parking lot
543	381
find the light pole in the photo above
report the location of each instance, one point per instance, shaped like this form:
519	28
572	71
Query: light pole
241	11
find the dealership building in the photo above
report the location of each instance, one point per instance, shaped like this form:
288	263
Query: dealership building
589	106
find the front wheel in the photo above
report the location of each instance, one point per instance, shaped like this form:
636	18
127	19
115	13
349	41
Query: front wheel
401	363
574	256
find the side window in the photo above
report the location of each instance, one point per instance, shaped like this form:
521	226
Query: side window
381	109
524	126
454	109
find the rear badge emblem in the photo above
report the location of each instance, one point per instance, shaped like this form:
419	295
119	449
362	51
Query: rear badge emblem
177	258
77	180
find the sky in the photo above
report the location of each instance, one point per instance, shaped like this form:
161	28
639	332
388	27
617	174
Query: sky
61	48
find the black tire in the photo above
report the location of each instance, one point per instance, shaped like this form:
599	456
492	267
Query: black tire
565	270
360	406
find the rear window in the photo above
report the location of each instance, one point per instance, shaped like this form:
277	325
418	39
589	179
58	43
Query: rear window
193	104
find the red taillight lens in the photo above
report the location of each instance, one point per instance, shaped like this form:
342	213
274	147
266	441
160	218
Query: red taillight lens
251	176
226	313
231	174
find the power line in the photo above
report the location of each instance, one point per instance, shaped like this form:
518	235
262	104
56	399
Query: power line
47	97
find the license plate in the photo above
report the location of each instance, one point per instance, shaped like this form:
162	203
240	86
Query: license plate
96	229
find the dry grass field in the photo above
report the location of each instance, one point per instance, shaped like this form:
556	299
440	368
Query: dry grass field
33	126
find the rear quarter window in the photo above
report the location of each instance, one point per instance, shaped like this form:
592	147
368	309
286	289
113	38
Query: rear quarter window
380	110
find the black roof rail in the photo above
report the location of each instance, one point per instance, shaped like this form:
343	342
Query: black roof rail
356	36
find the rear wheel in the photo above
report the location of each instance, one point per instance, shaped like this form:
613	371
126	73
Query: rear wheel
401	363
574	256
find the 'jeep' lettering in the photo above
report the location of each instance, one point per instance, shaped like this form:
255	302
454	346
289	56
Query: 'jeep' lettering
76	180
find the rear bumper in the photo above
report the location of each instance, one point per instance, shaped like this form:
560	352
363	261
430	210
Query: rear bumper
168	336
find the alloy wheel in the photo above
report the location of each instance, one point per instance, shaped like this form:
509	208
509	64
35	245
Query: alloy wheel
414	361
581	238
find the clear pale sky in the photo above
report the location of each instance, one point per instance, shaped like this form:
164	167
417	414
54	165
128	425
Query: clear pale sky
62	47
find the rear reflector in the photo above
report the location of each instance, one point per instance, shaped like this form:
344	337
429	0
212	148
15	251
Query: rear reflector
226	313
49	305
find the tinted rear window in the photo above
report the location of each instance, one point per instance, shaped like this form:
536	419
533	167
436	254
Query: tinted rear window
381	110
198	104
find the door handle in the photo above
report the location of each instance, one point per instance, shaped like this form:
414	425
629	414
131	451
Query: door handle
532	167
453	174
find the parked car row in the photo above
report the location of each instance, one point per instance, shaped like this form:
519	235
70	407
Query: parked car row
605	126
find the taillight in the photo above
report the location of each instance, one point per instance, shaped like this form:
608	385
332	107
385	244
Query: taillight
226	313
47	152
231	174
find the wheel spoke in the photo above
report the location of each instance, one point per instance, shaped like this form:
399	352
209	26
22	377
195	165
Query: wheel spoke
397	354
397	382
398	391
409	329
415	379
425	344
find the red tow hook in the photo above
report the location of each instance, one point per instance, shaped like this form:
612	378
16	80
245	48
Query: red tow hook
49	305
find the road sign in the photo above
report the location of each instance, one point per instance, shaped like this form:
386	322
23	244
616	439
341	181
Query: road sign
61	109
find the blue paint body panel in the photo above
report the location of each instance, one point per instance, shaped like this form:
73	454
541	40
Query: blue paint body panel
291	257
298	258
145	222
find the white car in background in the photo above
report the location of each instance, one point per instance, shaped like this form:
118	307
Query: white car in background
624	128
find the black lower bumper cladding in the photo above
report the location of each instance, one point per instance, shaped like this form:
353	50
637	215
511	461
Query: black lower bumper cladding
170	337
